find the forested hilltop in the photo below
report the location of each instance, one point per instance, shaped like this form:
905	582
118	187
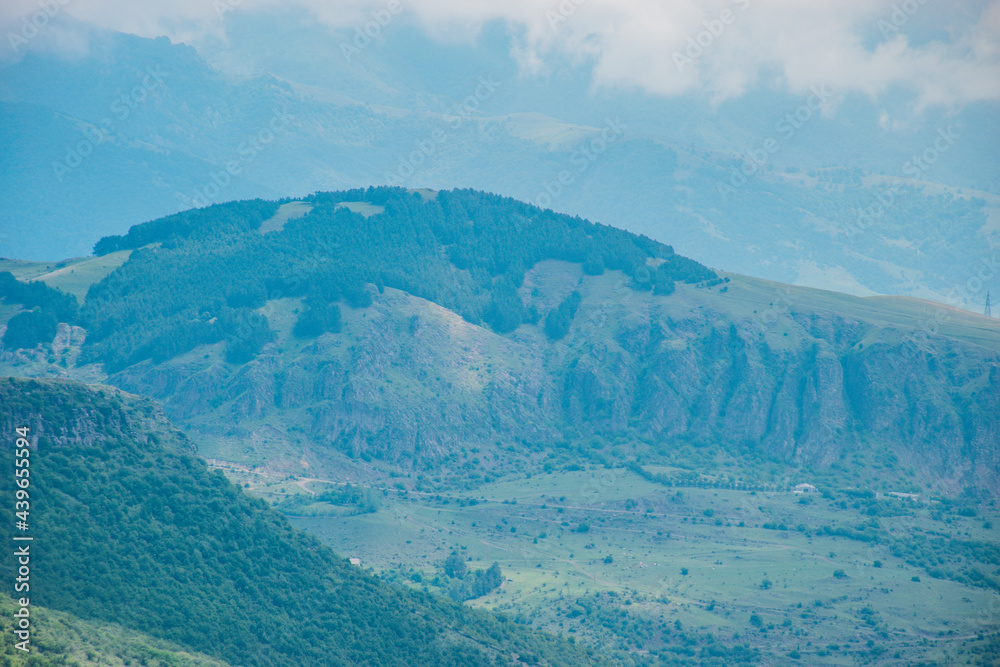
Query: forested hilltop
429	379
467	251
417	327
134	530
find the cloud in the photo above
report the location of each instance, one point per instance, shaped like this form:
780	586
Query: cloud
941	54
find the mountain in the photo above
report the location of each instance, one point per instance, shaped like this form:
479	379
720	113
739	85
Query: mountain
179	131
409	328
670	461
135	533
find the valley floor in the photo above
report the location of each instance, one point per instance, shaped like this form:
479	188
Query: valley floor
609	557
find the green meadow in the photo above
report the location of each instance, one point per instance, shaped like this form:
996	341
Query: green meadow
608	557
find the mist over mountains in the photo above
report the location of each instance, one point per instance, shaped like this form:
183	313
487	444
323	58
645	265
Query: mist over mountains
592	332
802	189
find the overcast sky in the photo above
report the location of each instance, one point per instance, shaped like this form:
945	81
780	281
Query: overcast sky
943	52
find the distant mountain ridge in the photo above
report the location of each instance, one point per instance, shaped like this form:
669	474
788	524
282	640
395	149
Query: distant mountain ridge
409	329
355	124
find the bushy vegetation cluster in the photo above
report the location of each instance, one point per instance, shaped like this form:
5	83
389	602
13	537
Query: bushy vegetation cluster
667	643
233	217
139	532
968	562
558	320
64	640
466	585
358	500
44	307
29	328
319	317
465	250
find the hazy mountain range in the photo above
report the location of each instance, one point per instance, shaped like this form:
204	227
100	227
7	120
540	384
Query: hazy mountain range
135	128
496	334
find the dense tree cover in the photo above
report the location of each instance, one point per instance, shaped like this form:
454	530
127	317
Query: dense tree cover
559	318
466	585
319	316
465	250
37	294
139	532
29	328
454	566
234	217
476	585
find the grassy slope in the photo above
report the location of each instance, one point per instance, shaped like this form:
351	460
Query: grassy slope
530	526
907	314
72	275
416	531
286	212
60	636
773	306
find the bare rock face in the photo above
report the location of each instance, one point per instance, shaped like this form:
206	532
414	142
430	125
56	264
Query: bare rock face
409	382
941	411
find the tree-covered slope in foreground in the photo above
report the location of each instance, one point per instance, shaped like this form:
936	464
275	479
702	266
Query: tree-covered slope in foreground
132	529
64	640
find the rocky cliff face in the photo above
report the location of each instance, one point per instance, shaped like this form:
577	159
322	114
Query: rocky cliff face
411	383
68	413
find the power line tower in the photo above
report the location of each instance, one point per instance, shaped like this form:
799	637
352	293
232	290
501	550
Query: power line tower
988	312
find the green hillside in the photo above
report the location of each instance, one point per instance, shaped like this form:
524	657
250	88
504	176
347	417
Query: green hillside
64	639
419	378
132	529
388	330
464	250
